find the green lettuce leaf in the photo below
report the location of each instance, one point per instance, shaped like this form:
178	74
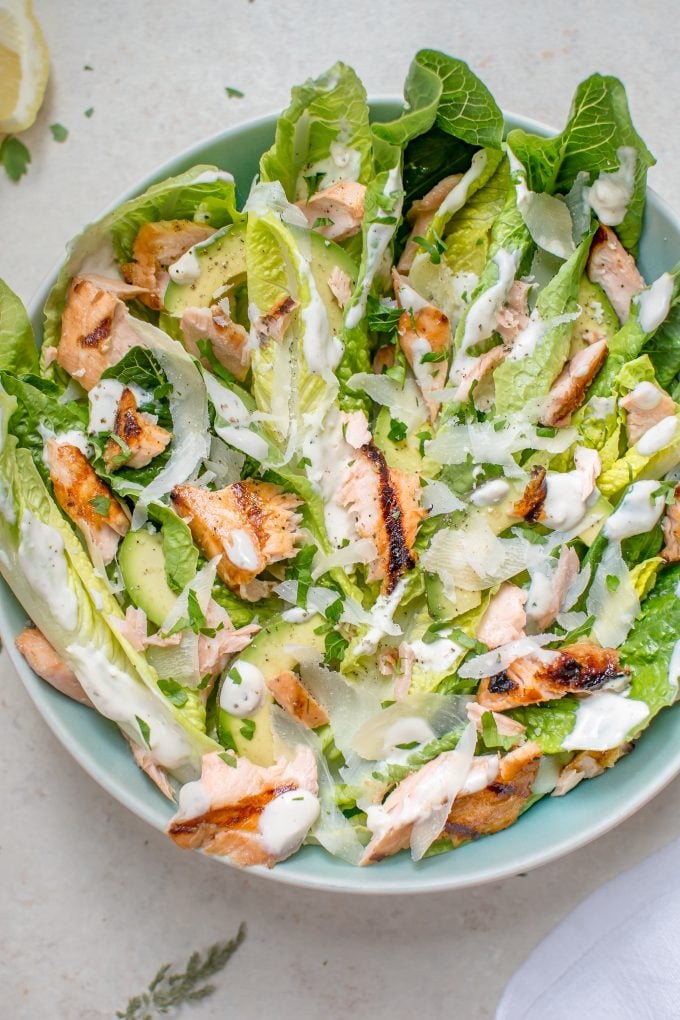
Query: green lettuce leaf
599	124
663	348
519	382
18	352
37	403
648	648
325	110
549	723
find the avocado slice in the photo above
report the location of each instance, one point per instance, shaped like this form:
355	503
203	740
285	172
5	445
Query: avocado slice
327	256
223	264
142	565
272	651
597	314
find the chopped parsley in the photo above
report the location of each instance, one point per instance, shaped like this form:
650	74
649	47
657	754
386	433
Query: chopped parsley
15	157
101	505
144	730
174	692
433	357
336	646
247	730
433	248
612	582
235	676
322	221
89	111
301	570
59	132
398	430
233	93
228	759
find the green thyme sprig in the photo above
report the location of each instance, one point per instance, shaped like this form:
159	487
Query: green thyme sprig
169	991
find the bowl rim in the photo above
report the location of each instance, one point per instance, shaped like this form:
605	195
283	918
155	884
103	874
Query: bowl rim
343	882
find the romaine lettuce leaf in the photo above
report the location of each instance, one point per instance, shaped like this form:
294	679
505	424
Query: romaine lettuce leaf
648	649
18	352
38	403
326	112
663	348
519	382
599	124
179	551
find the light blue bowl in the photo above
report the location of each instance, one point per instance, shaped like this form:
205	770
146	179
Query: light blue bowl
550	829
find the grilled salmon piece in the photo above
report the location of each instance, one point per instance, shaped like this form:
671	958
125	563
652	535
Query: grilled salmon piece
156	247
229	341
232	799
610	265
569	389
76	487
530	504
386	503
95	332
645	406
671	530
342	203
143	437
273	325
249	525
482	374
46	662
575	669
588	765
500	803
340	286
291	695
504	619
420	216
421	334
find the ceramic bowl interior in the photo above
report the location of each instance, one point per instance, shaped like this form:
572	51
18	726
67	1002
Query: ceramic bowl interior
550	829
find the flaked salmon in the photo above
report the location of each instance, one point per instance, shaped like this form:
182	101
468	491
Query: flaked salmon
588	765
141	438
610	265
342	204
569	389
420	216
513	316
423	336
95	332
568	566
645	406
48	664
671	530
293	696
220	813
500	803
386	504
575	669
340	286
87	500
156	247
505	618
144	759
248	524
229	340
274	324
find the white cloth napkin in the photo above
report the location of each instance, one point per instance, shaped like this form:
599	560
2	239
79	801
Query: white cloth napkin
616	957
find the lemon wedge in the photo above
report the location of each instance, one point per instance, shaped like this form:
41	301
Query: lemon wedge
24	66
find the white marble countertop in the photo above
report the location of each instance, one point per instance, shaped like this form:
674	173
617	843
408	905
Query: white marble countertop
93	900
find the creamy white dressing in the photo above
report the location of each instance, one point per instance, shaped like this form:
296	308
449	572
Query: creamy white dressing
609	196
186	269
242	699
296	615
409	299
654	304
458	195
211	177
603	721
193	801
241	550
546	217
382	615
490	493
482	315
378	237
322	349
42	558
74	437
438	655
528	339
646	396
120	697
564	506
286	820
329	455
483	770
658	436
342	164
602	408
637	512
437	498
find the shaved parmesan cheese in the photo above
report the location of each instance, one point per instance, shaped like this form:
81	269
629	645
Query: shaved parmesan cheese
382	622
654	303
347	704
500	658
612	599
473	558
363	550
546	217
441	712
486	444
437	499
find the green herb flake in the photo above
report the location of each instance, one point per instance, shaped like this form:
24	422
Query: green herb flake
433	248
89	111
197	620
174	692
322	221
204	682
612	582
15	157
300	569
235	676
233	93
334	611
423	438
101	505
398	431
144	730
407	747
336	646
228	759
87	67
59	132
247	730
433	357
385	220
